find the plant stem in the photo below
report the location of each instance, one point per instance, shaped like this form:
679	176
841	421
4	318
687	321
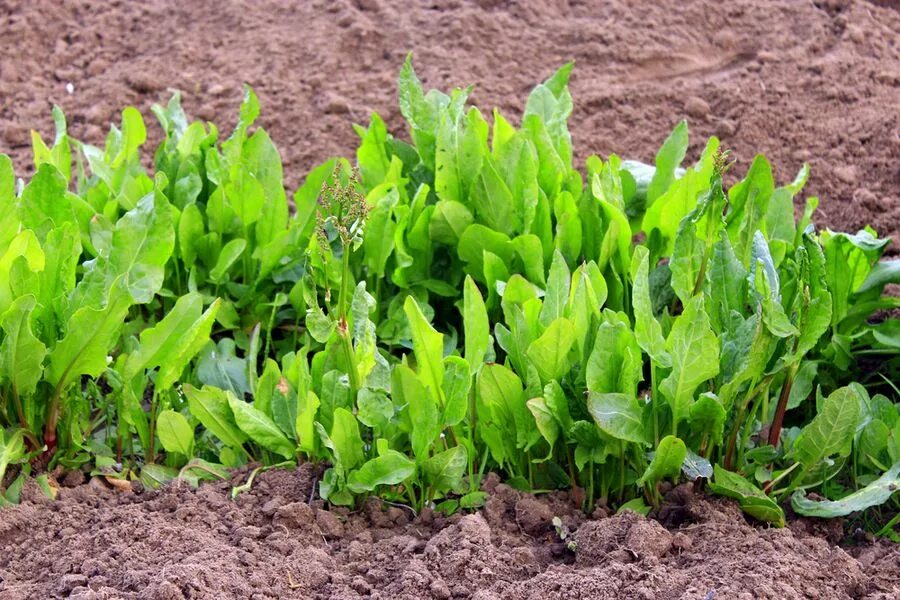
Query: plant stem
151	451
778	419
768	487
653	403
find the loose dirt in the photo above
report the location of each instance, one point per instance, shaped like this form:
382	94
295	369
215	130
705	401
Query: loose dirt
272	542
813	81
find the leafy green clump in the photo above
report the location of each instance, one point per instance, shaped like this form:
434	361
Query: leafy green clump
463	302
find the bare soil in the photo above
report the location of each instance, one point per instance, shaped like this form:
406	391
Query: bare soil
274	542
813	81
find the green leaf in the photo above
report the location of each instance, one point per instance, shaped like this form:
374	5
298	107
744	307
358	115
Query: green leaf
694	349
549	353
175	433
444	470
707	416
618	415
156	476
230	253
428	347
456	385
615	363
12	450
448	222
210	406
751	499
476	325
158	343
344	440
667	461
423	412
668	158
876	493
390	468
378	242
142	243
91	335
557	294
260	428
220	367
696	467
21	352
831	431
647	330
545	421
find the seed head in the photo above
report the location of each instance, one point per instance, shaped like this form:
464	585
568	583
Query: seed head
342	209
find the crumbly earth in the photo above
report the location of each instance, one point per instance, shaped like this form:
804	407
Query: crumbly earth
813	81
274	542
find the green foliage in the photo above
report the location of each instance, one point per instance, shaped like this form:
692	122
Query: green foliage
462	302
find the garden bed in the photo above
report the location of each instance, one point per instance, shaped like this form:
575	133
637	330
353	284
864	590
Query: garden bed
275	542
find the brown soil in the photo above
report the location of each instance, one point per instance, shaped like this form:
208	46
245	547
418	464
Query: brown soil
811	80
273	543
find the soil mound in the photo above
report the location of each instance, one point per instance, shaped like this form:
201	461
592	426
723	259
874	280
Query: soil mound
273	542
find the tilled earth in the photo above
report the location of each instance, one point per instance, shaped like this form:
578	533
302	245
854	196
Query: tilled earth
275	542
813	81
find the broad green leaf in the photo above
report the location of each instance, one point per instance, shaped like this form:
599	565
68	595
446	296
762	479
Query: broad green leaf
344	440
668	158
647	330
230	253
666	462
423	412
210	406
751	499
549	353
142	243
558	404
448	222
219	366
175	353
428	347
260	428
696	467
831	431
694	349
175	433
493	202
475	240
476	325
390	468
545	421
444	470
89	340
45	204
21	352
726	283
158	343
618	415
378	242
615	363
707	416
557	294
12	450
876	493
456	385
